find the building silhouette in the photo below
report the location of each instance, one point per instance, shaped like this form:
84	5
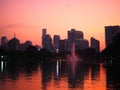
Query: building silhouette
77	37
13	44
74	34
94	43
63	45
4	40
48	43
81	44
110	32
44	32
56	43
38	47
23	46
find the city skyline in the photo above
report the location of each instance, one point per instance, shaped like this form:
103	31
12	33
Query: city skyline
44	33
52	44
27	18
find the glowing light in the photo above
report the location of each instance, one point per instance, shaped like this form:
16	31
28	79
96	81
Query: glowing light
57	50
111	61
73	56
2	66
57	68
38	67
2	56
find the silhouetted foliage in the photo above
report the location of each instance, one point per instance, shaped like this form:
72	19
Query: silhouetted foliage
44	53
2	50
31	49
89	55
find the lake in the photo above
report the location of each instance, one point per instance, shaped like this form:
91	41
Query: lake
59	75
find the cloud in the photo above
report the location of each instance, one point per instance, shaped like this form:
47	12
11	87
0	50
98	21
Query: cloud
15	25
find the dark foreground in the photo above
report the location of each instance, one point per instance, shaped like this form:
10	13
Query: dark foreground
58	75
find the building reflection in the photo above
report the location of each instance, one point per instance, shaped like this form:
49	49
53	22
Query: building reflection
47	69
113	76
57	70
28	70
61	73
95	71
72	73
76	78
13	70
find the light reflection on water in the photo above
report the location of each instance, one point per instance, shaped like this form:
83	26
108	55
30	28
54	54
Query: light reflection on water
58	75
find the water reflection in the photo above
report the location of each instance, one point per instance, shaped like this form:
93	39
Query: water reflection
113	77
97	82
74	68
47	68
59	75
75	74
3	65
95	71
57	72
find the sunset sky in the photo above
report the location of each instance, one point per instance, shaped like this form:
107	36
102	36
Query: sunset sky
26	18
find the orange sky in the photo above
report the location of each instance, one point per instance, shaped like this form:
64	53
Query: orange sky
26	18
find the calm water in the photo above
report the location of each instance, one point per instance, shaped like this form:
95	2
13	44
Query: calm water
59	75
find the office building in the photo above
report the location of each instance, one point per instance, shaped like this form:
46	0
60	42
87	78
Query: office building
94	43
48	43
110	32
44	32
56	43
81	44
63	45
4	40
72	36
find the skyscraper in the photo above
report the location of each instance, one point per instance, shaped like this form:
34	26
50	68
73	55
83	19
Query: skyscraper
81	44
43	36
110	32
4	40
72	36
95	44
48	43
56	42
63	45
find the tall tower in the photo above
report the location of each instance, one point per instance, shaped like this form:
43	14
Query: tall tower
110	32
56	42
48	43
44	31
